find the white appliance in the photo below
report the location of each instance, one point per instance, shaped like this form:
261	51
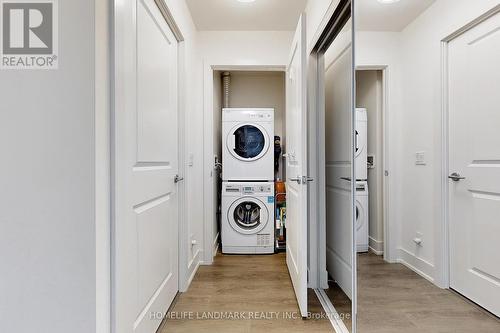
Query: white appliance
247	217
361	142
362	216
247	144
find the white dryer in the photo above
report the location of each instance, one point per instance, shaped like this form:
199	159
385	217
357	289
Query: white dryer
362	216
361	142
247	218
248	144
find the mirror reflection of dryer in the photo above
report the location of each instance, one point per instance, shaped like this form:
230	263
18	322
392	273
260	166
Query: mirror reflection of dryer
362	216
361	144
247	139
248	218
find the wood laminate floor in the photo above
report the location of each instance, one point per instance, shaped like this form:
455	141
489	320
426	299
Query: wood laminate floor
393	298
244	285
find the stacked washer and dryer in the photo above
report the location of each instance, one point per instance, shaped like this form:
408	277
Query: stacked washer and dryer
361	170
248	181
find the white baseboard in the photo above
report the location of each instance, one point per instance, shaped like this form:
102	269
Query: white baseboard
376	246
416	264
196	263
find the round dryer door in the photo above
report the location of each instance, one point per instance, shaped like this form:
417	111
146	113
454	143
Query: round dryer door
360	216
248	215
248	142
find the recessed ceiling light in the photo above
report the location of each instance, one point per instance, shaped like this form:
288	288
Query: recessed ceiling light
387	1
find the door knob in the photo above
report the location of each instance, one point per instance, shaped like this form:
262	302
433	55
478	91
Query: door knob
178	179
298	180
455	177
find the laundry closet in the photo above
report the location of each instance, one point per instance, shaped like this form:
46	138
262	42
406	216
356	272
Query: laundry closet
249	140
369	160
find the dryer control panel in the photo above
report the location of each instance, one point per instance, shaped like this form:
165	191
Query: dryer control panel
250	189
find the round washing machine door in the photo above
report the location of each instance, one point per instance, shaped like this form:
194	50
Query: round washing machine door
248	142
360	215
248	215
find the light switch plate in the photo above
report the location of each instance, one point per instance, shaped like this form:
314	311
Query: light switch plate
420	158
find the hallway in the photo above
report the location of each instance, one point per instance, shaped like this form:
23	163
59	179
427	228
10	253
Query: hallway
248	286
392	298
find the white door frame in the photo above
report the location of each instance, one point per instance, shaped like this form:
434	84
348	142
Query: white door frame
210	243
390	230
443	277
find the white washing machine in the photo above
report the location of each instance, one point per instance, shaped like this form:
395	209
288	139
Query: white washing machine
247	144
362	216
361	142
247	218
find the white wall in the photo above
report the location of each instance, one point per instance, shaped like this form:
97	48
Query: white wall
258	48
369	95
103	165
48	237
415	107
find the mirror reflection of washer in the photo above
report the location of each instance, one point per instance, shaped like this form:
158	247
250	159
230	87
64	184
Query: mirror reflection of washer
248	143
247	218
362	216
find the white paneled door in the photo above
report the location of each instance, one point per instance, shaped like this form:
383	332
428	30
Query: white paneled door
296	166
339	157
145	242
474	163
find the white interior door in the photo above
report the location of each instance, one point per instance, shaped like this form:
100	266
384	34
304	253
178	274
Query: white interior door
145	244
474	111
296	166
339	155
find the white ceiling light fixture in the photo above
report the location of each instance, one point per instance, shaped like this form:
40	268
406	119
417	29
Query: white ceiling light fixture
246	0
387	1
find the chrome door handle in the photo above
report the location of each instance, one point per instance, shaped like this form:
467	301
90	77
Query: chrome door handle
455	177
298	180
178	179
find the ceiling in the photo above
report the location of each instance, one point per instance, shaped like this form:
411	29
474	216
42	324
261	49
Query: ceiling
375	16
234	15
